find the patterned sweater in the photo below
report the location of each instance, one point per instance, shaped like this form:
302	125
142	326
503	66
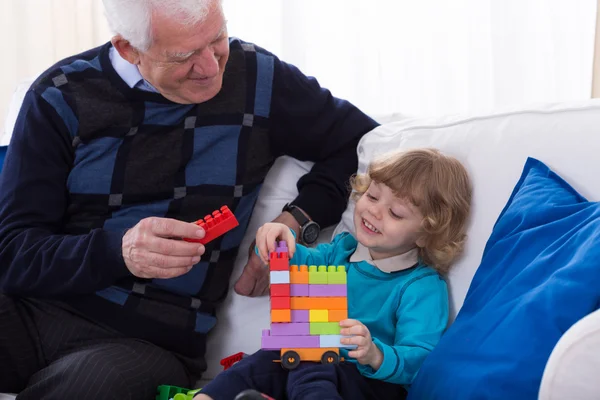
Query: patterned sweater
90	157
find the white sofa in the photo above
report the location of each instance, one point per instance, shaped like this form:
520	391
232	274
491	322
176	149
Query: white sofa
493	147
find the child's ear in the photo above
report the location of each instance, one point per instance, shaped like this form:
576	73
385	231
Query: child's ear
420	241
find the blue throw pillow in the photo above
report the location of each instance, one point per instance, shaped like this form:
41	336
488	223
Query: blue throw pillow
539	274
2	155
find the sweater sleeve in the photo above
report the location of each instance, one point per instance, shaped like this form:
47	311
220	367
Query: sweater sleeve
421	318
308	123
37	258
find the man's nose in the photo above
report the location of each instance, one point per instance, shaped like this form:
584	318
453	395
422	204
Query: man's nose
206	63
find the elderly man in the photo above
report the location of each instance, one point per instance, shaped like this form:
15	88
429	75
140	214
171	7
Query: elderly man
115	152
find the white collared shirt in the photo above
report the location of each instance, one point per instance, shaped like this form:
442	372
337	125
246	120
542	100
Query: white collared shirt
129	72
391	264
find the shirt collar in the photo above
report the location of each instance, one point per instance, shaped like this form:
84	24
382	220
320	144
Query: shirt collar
129	72
392	264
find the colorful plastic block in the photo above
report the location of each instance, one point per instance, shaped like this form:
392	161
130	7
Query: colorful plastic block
220	222
317	275
324	328
280	290
165	392
332	290
337	315
280	277
319	303
299	290
269	342
299	275
312	354
290	329
300	315
279	261
280	303
334	341
281	316
318	315
227	362
336	275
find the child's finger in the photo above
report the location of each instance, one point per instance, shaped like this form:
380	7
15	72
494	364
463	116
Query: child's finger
291	242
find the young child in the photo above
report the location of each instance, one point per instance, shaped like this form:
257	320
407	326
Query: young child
409	219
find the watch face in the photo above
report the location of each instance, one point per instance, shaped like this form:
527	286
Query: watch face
310	233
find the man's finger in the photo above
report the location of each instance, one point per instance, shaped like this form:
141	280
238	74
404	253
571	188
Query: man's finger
172	228
168	262
174	247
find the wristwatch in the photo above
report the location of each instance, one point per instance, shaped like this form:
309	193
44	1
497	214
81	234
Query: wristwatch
309	229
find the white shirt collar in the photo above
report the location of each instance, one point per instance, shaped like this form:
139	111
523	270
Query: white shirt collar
129	72
397	263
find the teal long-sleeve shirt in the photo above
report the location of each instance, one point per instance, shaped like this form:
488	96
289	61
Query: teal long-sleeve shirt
406	311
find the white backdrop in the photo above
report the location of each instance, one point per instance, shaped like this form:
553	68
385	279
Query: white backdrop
426	57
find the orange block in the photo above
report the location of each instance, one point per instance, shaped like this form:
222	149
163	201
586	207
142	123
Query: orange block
281	316
337	315
319	303
299	274
280	303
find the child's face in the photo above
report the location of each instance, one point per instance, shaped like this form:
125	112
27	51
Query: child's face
386	224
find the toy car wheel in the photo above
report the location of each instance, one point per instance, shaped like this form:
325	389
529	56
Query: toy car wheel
330	357
290	359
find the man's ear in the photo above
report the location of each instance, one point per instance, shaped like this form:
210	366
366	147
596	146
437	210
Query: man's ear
126	50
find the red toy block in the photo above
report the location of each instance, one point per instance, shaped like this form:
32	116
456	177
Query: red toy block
280	303
227	362
279	261
220	222
280	290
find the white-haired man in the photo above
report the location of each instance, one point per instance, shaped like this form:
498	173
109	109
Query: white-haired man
115	152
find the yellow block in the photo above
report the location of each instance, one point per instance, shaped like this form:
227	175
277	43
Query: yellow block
318	316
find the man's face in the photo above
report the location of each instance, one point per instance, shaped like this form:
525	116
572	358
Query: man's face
186	63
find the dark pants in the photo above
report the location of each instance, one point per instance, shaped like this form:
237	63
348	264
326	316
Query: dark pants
308	381
49	352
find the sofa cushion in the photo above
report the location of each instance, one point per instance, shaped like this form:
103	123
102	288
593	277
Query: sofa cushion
2	155
538	276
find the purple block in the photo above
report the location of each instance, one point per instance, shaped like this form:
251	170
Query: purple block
299	290
284	342
293	329
300	316
281	247
327	290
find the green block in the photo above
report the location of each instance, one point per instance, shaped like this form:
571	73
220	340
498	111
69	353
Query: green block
317	276
336	276
166	392
325	328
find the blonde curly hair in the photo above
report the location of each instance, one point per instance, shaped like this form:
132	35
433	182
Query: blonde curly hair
439	186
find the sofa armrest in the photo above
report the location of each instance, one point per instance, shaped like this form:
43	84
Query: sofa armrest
572	369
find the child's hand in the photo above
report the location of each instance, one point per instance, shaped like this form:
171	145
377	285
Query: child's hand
268	234
367	352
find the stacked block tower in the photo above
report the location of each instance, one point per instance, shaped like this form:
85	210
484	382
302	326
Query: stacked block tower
307	304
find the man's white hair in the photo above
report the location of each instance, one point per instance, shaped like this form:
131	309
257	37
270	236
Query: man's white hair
132	19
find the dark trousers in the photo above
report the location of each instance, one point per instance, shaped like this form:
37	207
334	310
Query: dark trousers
308	381
49	352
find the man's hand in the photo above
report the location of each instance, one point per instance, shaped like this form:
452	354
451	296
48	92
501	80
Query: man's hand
367	352
254	280
154	249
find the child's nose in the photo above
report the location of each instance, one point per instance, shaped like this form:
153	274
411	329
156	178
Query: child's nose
374	210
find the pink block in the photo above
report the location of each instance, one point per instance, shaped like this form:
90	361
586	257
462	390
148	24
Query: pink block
299	289
280	342
327	290
293	329
300	316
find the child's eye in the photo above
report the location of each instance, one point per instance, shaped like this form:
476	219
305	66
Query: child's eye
371	197
395	216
